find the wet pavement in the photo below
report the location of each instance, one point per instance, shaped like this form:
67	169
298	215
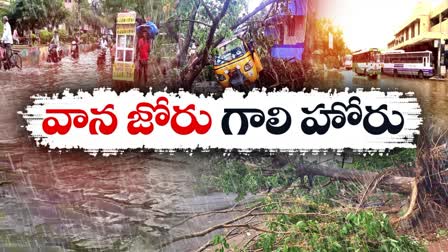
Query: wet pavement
74	201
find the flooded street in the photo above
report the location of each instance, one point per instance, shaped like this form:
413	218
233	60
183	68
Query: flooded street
75	201
78	202
432	95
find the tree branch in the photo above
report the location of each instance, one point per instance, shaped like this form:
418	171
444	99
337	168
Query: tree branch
211	229
207	10
191	21
395	183
230	224
244	19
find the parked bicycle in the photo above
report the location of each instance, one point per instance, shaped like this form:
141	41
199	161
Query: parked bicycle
15	60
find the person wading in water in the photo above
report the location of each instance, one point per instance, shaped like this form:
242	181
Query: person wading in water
144	48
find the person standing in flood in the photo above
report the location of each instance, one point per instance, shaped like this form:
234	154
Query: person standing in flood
15	36
144	48
7	37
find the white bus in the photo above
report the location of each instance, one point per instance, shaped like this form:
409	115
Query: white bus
408	63
348	64
367	62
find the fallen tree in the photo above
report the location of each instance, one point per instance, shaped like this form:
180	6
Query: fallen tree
192	71
389	182
424	182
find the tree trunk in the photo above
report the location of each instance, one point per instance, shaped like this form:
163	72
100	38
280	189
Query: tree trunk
195	68
184	50
192	72
393	183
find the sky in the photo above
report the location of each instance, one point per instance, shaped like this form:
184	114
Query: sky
365	23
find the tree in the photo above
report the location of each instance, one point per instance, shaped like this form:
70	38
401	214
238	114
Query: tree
319	41
158	10
55	12
28	13
38	13
215	21
92	14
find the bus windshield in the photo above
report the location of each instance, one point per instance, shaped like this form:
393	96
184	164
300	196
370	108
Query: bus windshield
375	57
370	56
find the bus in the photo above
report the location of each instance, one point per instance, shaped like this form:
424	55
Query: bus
348	64
367	62
408	63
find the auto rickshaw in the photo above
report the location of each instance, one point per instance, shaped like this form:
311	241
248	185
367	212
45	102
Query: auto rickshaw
239	67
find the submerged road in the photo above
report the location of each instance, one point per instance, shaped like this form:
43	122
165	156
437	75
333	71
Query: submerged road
75	201
432	95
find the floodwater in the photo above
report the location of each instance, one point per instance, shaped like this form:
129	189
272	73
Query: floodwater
74	201
432	95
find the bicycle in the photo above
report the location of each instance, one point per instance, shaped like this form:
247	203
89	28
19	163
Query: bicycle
15	60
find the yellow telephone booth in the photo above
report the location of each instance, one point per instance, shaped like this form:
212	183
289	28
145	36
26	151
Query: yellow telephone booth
124	65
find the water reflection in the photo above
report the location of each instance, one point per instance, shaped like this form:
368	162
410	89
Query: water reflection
432	95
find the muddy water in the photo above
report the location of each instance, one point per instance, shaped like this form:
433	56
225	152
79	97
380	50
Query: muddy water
72	200
432	95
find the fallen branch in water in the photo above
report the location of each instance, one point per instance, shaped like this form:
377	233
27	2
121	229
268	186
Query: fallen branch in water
230	210
230	224
211	229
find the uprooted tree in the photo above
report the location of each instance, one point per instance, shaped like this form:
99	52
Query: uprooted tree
211	22
421	175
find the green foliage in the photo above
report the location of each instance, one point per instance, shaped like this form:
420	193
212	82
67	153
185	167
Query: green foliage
38	13
158	10
237	177
63	35
220	243
88	38
34	38
45	36
310	222
378	162
183	12
442	233
330	230
2	13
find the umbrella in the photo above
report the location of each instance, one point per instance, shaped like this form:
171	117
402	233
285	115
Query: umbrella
151	28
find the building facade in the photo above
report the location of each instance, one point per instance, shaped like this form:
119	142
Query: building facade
426	25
